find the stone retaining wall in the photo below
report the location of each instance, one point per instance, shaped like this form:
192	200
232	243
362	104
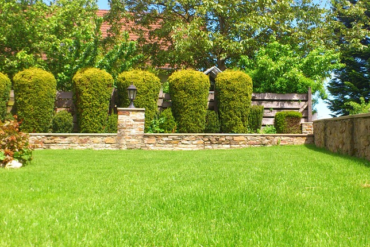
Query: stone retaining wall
73	141
347	135
131	135
164	141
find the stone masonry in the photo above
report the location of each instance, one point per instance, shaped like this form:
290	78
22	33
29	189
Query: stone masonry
307	128
347	135
130	127
131	135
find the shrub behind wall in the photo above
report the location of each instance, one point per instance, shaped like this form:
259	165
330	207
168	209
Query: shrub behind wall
255	118
288	122
148	86
92	90
34	93
189	94
234	94
5	86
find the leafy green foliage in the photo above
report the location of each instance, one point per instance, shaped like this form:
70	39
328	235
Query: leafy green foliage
255	118
207	33
169	124
92	90
148	86
212	122
351	82
62	122
112	124
189	94
34	93
234	95
359	108
5	86
279	68
288	122
13	144
61	38
269	129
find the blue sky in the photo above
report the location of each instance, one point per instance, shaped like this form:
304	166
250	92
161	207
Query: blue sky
323	111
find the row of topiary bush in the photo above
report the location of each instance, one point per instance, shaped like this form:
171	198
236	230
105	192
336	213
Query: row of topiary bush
93	87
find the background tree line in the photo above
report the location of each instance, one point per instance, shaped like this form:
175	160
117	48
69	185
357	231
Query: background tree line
286	45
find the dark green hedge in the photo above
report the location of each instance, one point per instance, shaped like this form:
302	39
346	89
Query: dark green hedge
92	89
234	94
5	86
169	124
255	118
148	86
212	122
34	92
288	122
189	95
62	122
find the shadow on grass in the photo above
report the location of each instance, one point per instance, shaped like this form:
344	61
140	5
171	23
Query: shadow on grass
363	161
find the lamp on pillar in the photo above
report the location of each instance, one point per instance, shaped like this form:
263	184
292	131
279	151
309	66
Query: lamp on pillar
131	91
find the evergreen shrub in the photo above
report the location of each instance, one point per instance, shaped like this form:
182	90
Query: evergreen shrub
92	89
288	122
234	95
5	86
212	122
148	86
255	118
112	123
62	122
189	95
168	124
34	93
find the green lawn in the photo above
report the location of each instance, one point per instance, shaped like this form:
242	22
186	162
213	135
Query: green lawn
269	196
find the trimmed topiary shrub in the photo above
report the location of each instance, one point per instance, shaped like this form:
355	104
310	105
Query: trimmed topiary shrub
168	124
234	95
189	95
5	86
92	90
255	118
148	86
288	122
34	93
62	122
212	122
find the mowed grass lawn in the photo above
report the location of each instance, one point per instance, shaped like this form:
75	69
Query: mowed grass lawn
269	196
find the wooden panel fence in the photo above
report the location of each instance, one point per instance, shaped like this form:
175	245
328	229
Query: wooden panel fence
272	102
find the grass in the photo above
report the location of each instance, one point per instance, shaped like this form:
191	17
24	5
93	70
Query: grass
273	196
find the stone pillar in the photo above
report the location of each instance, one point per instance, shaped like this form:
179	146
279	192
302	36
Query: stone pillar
307	128
130	129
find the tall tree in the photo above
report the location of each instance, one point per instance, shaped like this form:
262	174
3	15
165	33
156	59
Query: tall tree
200	34
351	82
61	38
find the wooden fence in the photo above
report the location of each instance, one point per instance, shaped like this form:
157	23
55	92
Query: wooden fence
272	102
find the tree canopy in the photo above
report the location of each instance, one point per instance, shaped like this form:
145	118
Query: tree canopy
201	34
352	82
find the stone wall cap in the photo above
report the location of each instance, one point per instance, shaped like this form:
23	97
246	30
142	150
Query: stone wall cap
130	109
73	134
224	134
364	115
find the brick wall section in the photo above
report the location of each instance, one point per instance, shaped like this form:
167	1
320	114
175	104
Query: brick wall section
130	127
307	128
347	135
219	141
73	141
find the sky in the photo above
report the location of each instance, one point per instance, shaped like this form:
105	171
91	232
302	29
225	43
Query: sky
322	108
